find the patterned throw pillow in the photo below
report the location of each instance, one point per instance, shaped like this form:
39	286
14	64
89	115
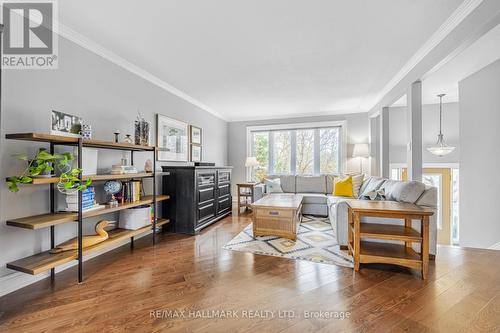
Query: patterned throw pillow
357	181
273	185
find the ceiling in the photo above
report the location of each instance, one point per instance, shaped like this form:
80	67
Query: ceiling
264	58
479	54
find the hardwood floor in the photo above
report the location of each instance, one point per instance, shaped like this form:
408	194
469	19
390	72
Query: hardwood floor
123	287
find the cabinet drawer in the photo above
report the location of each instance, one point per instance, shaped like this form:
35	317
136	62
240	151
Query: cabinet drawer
224	190
206	211
205	178
224	204
224	176
279	213
206	194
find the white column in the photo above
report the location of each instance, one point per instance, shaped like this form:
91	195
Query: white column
384	143
414	130
374	145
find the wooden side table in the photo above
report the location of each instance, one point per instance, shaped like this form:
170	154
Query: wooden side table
365	251
247	192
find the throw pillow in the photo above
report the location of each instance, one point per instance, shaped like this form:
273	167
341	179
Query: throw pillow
370	185
357	181
273	185
343	187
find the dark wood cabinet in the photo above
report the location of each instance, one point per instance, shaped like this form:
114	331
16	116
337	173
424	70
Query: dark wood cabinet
200	196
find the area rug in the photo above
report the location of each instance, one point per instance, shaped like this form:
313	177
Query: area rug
315	242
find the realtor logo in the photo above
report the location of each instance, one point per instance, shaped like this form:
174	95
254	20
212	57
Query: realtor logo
29	39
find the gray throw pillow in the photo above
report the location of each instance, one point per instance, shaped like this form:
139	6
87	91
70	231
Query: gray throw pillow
273	185
372	184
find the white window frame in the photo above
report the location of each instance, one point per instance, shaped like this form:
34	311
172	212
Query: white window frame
342	125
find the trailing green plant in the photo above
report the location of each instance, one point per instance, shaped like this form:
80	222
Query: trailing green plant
43	164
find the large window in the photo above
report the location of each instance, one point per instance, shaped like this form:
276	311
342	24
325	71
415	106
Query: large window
299	149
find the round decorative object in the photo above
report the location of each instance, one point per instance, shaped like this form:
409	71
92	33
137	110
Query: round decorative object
128	139
112	186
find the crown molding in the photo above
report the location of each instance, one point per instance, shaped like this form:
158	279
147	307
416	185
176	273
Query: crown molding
88	44
467	7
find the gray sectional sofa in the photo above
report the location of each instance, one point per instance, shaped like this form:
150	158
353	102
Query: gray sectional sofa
318	200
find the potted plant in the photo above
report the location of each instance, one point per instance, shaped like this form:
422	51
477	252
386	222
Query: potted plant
42	165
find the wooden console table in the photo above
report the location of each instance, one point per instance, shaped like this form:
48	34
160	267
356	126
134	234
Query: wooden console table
364	251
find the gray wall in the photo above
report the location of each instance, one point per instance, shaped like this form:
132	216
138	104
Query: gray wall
357	132
480	157
430	129
106	96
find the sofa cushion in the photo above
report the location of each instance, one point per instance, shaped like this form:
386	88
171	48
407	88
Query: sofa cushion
343	187
313	198
371	184
287	182
330	181
403	191
310	184
357	182
428	198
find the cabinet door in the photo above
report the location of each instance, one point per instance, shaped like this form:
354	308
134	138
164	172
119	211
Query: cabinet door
224	205
224	190
205	212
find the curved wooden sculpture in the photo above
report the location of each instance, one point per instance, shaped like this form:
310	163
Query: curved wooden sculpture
87	241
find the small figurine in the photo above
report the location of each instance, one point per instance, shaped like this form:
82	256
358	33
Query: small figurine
117	133
128	139
148	166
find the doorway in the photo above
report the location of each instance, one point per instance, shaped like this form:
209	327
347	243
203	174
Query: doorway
446	181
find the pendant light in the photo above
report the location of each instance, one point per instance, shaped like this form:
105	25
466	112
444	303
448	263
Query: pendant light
440	148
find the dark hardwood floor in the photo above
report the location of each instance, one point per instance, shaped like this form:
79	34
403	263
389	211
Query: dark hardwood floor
191	274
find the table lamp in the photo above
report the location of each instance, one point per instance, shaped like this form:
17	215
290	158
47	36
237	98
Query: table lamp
251	162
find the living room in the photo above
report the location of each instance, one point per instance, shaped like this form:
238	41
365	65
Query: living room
283	166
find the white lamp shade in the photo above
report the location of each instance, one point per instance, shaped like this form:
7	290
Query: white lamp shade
251	162
361	150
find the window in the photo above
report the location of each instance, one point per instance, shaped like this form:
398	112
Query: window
304	152
282	153
297	149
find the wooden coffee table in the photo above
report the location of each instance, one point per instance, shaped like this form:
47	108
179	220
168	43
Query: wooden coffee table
365	251
277	215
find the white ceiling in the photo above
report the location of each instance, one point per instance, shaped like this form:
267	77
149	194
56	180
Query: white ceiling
480	54
250	59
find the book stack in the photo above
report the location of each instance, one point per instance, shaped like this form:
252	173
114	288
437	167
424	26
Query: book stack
88	200
122	169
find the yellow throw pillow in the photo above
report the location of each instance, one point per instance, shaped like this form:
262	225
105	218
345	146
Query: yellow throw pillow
343	187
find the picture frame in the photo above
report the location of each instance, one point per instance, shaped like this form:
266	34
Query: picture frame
65	124
196	153
195	135
171	139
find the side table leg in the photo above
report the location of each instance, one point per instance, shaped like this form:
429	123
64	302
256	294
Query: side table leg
408	225
425	246
357	241
349	231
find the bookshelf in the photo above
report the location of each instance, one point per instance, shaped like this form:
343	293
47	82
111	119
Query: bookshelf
44	261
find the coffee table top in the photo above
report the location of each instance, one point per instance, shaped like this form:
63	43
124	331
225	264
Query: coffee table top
368	206
290	201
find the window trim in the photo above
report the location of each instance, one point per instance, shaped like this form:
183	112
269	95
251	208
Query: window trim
342	124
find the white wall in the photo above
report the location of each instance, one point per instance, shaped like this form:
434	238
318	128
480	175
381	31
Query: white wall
430	130
480	157
106	96
357	132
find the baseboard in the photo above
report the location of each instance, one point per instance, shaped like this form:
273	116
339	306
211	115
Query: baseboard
495	246
17	280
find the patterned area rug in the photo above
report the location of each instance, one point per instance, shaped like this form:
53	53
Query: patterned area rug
315	242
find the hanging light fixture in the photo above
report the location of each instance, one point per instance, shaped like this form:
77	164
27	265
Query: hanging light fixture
440	148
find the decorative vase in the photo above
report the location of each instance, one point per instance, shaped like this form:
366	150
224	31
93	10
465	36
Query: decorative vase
142	131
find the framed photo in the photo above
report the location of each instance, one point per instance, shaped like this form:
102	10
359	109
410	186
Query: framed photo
196	153
65	124
172	139
195	135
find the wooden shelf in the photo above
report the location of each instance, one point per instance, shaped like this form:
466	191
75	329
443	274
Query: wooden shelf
47	220
44	261
95	178
390	232
373	252
60	139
